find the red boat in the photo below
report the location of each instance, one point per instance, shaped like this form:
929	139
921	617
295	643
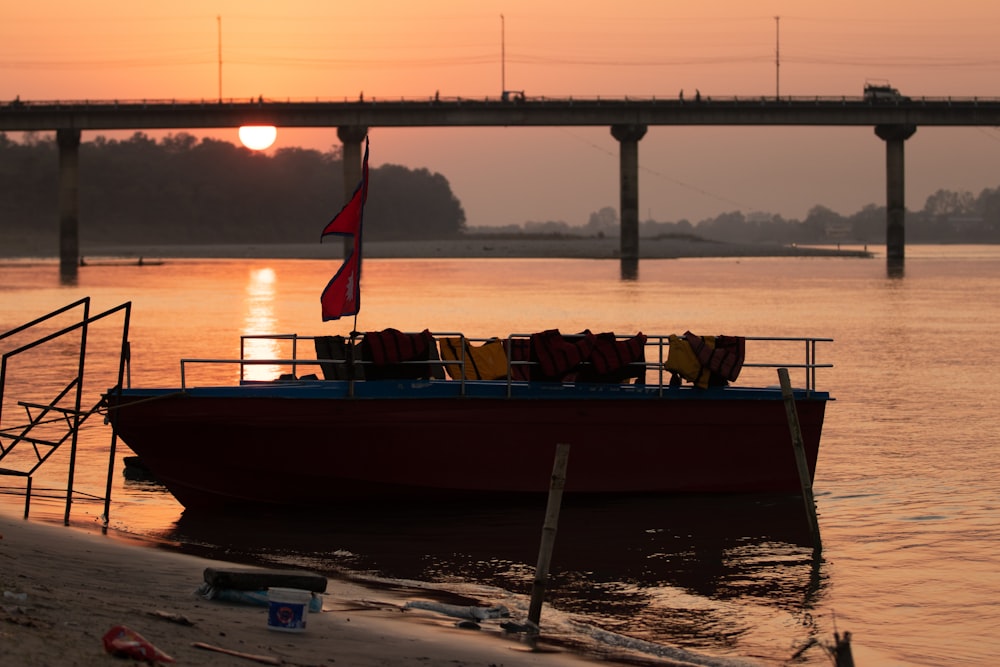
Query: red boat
395	417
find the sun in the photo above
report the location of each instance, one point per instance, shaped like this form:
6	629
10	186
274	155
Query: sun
258	137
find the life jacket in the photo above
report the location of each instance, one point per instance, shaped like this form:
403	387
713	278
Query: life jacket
389	349
583	357
706	360
683	362
614	360
519	350
558	355
482	362
724	358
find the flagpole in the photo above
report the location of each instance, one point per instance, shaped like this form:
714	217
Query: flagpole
342	296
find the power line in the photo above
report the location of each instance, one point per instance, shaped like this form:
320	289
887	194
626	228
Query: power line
658	174
204	56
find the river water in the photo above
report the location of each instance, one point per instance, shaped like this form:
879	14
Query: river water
906	484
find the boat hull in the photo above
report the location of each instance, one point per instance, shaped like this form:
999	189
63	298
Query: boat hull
320	445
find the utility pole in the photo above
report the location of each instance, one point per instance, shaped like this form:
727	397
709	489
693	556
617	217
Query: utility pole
218	20
777	57
503	58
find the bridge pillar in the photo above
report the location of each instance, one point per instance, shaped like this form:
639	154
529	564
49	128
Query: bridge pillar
351	137
628	137
69	210
894	137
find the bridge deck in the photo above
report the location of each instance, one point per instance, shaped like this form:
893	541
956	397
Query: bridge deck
20	115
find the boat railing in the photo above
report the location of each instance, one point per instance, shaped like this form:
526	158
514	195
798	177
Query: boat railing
650	370
809	365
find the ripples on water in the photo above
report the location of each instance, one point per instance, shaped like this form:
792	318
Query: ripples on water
704	571
905	485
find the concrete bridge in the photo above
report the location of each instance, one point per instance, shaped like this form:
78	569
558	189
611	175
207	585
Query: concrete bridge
893	120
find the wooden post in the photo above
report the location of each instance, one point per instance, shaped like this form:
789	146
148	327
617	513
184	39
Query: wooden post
548	535
842	650
800	457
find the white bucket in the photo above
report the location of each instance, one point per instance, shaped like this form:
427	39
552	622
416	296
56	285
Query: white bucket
287	609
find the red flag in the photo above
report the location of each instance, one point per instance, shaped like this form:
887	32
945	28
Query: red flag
342	295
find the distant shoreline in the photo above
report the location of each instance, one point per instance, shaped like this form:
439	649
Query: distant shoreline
479	248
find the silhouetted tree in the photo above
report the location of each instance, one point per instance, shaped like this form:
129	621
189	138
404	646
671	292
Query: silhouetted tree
411	204
945	203
868	224
185	190
730	227
603	223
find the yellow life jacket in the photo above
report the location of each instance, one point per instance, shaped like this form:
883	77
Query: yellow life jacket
682	360
482	362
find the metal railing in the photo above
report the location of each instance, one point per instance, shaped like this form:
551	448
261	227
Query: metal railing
583	100
655	358
54	422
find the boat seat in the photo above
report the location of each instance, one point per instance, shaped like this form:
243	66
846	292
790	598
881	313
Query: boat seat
334	354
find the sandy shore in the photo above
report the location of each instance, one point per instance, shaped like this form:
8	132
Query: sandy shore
64	588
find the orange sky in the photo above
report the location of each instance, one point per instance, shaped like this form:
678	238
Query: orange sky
112	49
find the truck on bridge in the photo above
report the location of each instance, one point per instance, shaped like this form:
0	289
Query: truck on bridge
879	90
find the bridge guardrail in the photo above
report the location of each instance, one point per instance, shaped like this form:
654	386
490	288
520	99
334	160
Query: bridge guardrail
541	100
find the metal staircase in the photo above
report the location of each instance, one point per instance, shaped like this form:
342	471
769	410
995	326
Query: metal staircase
52	422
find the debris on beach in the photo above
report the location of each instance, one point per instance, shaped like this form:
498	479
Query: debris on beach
172	617
252	597
18	615
458	611
123	642
264	659
263	578
250	586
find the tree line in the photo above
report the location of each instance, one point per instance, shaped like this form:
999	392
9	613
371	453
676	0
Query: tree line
181	190
947	217
184	190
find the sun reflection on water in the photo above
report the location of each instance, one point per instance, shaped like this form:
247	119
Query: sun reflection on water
260	319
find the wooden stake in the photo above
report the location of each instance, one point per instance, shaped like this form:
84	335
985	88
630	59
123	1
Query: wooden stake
842	651
556	487
800	457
